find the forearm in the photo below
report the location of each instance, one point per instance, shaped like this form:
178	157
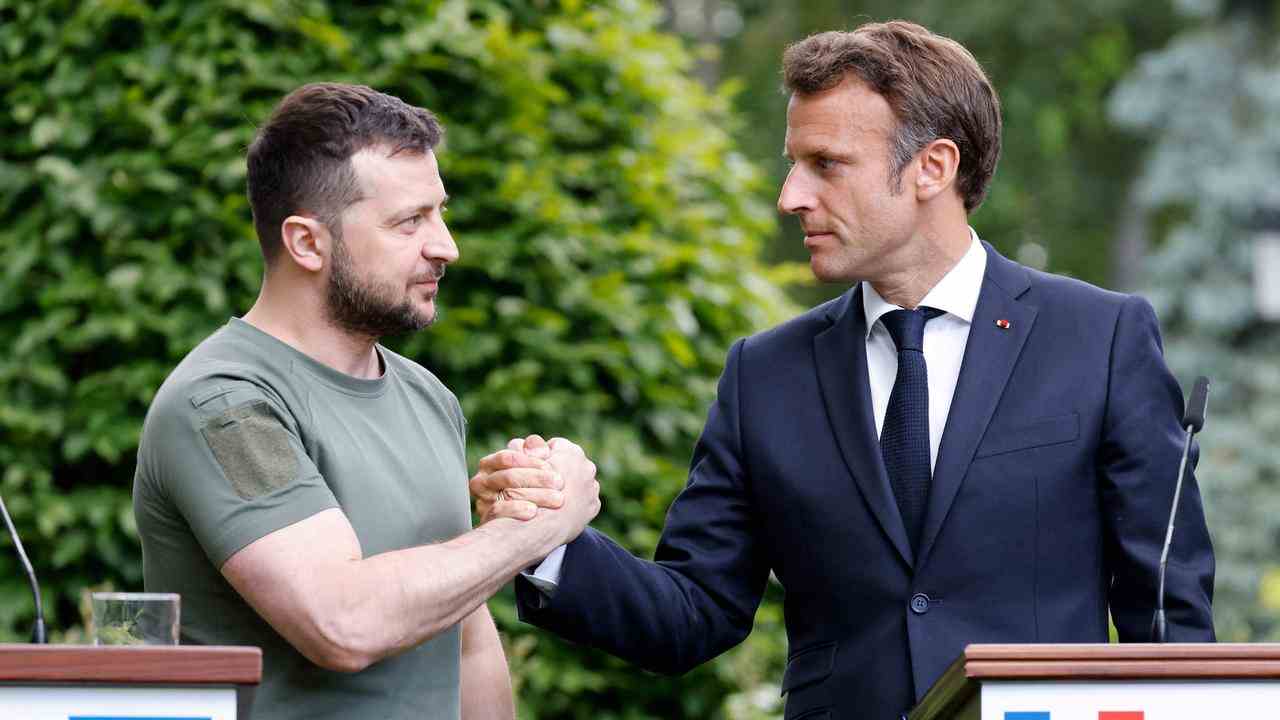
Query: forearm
382	605
700	596
657	615
343	611
486	681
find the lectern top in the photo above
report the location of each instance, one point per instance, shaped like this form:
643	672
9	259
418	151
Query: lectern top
144	664
1199	662
1128	661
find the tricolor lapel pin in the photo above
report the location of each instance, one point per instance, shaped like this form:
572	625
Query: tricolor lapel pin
1003	324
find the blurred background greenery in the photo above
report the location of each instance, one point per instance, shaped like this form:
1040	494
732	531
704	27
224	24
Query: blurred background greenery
614	166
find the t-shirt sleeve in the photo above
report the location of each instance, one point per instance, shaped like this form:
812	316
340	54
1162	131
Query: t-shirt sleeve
459	420
228	455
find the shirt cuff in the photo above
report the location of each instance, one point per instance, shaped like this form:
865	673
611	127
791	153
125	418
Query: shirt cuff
546	577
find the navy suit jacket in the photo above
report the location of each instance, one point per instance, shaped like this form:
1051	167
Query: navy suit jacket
1050	495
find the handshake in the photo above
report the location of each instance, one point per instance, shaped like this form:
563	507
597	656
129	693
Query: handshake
536	480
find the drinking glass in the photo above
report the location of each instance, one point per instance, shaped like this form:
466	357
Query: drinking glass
122	618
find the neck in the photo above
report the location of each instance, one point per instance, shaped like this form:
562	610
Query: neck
295	316
926	259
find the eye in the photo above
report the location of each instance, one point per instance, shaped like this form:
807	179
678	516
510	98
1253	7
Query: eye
824	163
411	223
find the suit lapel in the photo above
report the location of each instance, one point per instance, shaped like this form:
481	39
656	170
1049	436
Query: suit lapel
989	357
841	355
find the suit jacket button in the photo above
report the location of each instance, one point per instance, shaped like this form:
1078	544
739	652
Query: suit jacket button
919	603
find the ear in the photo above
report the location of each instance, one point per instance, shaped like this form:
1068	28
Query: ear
306	241
939	163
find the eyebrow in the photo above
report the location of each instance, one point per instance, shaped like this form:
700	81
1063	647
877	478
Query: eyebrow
820	150
408	212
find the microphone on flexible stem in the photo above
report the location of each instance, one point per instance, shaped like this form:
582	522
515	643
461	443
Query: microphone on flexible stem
1192	421
37	635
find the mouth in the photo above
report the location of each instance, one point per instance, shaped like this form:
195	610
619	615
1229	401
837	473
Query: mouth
429	280
813	239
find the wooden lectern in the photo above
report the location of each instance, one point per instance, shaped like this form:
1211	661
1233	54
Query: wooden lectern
1108	682
178	682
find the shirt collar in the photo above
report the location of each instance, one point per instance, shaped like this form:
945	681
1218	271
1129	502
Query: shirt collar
955	294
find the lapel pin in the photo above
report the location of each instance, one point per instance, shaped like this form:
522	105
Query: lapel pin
1003	324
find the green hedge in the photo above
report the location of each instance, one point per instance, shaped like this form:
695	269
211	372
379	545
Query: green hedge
608	228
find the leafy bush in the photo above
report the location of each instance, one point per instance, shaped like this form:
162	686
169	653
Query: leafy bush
608	230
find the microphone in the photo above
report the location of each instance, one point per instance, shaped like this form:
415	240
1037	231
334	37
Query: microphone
1192	422
37	635
1194	417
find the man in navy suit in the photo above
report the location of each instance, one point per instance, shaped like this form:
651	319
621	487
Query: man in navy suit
958	450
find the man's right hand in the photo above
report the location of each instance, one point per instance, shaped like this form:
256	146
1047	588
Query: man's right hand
512	483
554	482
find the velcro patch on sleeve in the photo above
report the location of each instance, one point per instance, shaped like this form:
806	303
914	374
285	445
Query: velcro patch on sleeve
253	449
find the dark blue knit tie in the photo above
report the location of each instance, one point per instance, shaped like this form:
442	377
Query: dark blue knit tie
904	438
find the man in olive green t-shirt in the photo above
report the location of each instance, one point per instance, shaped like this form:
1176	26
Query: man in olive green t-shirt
304	488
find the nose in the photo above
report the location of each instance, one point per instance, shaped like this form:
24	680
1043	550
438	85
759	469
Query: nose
796	196
440	246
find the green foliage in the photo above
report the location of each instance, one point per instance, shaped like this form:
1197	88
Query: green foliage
608	228
1210	100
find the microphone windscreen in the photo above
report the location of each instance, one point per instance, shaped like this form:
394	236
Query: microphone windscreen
1194	417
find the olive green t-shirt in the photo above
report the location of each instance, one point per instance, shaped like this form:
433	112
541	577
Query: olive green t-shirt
248	436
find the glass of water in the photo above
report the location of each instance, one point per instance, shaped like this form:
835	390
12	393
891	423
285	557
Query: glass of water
121	618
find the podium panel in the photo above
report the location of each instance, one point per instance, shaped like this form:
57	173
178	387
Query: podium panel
83	682
1110	700
53	702
1107	682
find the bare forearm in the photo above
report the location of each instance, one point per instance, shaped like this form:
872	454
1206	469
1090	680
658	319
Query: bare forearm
388	603
344	611
486	681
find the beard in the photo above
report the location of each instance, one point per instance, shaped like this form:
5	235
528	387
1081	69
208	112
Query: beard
371	308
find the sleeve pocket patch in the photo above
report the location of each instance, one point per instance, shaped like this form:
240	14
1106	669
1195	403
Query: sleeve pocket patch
253	449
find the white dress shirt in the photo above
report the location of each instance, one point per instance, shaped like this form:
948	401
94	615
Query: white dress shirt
945	338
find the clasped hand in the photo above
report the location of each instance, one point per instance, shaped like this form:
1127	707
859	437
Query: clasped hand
532	478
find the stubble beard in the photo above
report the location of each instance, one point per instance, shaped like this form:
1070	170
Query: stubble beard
367	308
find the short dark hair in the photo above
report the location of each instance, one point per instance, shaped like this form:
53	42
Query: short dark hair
300	161
935	87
